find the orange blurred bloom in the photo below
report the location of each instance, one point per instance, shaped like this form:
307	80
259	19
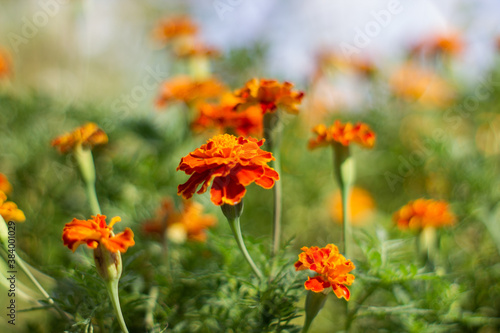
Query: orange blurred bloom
88	135
175	27
414	83
226	119
362	206
4	65
332	269
269	95
5	186
188	223
9	210
343	134
94	232
232	163
423	213
328	60
450	43
188	90
195	48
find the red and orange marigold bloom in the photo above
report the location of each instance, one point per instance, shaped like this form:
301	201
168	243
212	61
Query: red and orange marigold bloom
331	267
188	90
88	135
231	163
5	186
423	213
188	223
269	95
175	27
343	134
95	231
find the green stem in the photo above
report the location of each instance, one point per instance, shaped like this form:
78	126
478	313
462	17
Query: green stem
234	223
92	196
20	262
272	134
112	287
87	168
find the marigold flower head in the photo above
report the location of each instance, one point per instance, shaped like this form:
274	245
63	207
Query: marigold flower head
95	231
449	43
361	203
225	119
412	83
232	163
269	95
326	60
9	210
343	134
5	186
88	135
175	27
188	90
331	267
423	213
189	223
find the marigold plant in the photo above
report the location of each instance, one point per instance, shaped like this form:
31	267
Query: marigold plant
343	134
231	163
423	213
95	231
88	135
332	270
269	95
187	90
188	223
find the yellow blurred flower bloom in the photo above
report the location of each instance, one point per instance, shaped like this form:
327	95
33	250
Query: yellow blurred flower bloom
5	186
88	135
362	207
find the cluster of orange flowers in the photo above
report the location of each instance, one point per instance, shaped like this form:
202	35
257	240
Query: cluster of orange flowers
95	231
87	136
231	163
423	213
189	223
8	209
343	134
331	267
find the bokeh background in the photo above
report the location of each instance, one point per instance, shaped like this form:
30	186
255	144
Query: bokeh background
437	128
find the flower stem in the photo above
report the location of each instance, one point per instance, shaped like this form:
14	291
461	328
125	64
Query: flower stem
272	133
112	287
87	168
234	223
314	303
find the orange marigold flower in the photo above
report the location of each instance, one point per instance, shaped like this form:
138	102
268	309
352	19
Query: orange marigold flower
5	186
232	163
450	43
414	83
175	27
9	210
423	213
331	267
362	206
269	95
88	135
343	134
195	48
189	223
188	90
94	231
225	119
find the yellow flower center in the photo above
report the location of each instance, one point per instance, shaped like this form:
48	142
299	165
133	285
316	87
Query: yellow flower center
224	141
